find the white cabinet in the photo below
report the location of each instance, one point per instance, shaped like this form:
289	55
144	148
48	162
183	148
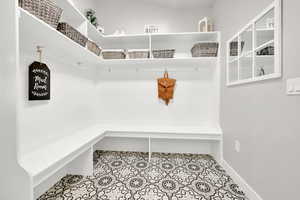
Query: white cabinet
254	53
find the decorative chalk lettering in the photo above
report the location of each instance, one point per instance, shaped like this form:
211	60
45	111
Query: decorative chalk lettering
39	82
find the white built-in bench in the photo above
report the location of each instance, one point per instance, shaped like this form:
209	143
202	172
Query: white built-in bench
74	153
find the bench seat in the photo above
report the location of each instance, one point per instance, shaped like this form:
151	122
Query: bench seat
46	161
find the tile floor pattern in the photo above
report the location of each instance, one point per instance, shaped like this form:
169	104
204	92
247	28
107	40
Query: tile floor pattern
128	176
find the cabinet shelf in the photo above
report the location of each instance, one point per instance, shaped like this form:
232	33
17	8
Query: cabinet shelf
202	61
58	46
247	66
264	45
93	33
71	14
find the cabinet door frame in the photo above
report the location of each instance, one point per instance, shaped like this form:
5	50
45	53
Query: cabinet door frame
276	6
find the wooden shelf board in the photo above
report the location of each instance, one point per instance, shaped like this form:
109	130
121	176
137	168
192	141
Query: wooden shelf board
61	48
192	37
264	45
160	63
70	14
56	45
93	33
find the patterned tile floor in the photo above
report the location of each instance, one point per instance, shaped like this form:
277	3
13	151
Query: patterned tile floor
128	175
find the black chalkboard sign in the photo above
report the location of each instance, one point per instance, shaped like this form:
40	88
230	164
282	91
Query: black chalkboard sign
39	82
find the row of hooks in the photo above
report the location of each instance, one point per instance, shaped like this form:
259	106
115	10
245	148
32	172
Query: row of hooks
112	69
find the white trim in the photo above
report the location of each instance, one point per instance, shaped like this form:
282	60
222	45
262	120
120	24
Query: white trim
256	79
276	5
113	50
250	192
137	50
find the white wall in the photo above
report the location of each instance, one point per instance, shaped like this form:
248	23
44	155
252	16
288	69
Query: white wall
70	109
131	97
260	115
12	177
132	15
82	5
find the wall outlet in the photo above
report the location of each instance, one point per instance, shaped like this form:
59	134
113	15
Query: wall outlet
293	86
237	146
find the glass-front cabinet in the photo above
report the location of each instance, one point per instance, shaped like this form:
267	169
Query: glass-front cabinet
254	53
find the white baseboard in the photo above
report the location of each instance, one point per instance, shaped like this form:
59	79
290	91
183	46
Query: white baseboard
250	192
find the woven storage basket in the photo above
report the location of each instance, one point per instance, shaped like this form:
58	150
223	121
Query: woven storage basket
205	49
164	53
138	53
114	54
93	47
72	33
166	88
234	48
45	10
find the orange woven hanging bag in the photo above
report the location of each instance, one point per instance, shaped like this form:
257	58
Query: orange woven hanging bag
166	88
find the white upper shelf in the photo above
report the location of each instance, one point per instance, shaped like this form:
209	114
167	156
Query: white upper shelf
70	13
61	48
165	62
187	36
34	32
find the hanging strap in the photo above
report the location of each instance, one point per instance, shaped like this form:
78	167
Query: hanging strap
166	74
39	51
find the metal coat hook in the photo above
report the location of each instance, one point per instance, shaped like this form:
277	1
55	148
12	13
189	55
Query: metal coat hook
40	52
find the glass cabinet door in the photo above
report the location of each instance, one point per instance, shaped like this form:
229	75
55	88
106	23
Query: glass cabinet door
233	49
265	48
246	59
233	55
246	41
264	29
246	67
233	71
255	53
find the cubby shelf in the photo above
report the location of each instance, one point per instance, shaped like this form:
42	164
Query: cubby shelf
70	13
175	62
93	33
58	46
34	32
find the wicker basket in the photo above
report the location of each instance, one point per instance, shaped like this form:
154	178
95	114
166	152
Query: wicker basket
138	53
205	49
114	54
234	48
45	10
72	33
93	47
164	53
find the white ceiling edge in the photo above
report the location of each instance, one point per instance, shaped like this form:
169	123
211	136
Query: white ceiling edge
183	3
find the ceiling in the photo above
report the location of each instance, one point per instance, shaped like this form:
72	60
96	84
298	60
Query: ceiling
183	3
